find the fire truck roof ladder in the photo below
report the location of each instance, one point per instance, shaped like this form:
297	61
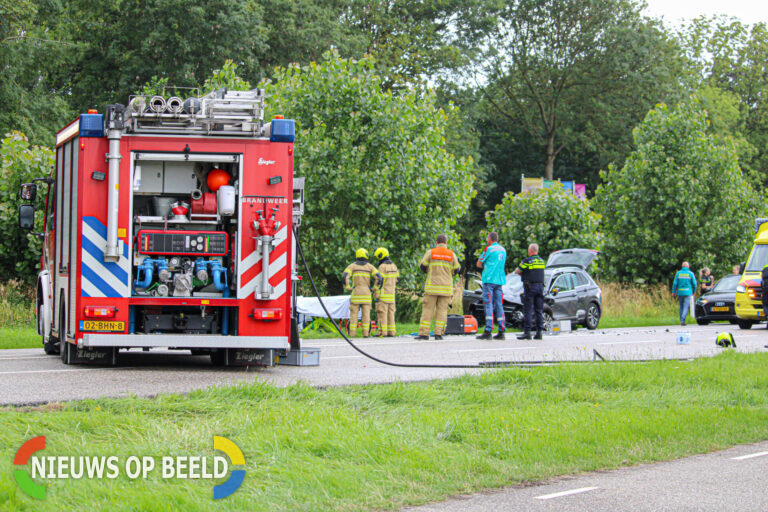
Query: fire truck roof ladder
221	112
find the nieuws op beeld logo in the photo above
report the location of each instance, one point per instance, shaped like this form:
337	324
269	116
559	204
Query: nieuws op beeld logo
99	467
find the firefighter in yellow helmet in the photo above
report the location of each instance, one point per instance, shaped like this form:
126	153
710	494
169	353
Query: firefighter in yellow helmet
357	277
385	294
440	265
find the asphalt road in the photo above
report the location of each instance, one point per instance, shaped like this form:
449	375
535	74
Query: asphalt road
731	480
31	377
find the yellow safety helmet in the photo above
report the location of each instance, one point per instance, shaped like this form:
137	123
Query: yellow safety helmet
381	253
361	253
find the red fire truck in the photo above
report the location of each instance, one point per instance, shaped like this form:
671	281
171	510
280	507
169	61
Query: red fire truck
170	223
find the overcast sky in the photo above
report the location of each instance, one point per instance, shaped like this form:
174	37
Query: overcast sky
673	10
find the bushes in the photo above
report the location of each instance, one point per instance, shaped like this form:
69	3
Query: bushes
20	162
379	167
16	304
680	196
550	217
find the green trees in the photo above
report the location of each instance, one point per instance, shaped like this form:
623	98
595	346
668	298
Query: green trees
550	217
680	196
124	44
577	72
726	54
377	165
20	162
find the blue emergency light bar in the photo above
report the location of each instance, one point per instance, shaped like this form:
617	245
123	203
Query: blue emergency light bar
282	130
91	125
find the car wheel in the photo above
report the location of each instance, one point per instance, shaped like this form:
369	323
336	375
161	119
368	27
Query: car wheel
592	317
546	320
479	314
701	321
745	324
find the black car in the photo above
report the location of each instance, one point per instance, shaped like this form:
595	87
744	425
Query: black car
571	294
720	303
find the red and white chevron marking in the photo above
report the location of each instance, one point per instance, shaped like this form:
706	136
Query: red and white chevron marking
250	267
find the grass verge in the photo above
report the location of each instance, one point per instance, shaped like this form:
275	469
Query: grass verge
20	337
387	446
639	306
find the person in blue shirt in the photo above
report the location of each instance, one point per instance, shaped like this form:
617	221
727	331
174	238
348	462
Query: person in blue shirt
492	262
683	287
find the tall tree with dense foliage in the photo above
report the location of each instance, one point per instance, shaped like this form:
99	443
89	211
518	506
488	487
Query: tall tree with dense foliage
124	44
574	72
377	165
30	51
552	218
728	55
680	196
414	41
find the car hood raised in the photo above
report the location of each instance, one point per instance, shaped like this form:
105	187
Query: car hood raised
580	258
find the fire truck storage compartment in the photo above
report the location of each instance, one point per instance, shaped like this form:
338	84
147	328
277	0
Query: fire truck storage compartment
180	320
184	231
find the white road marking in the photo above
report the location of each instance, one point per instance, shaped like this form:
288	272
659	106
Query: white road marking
750	456
565	493
24	357
490	349
629	342
66	370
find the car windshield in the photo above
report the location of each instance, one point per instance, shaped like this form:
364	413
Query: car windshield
758	259
727	284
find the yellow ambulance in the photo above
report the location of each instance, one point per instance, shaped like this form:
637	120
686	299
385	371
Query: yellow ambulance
749	293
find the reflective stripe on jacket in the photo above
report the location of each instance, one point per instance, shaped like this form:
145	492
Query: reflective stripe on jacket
441	263
386	293
358	276
684	283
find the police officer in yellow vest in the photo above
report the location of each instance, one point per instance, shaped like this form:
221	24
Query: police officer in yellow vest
385	294
357	276
440	265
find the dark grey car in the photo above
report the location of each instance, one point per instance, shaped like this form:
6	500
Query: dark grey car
571	293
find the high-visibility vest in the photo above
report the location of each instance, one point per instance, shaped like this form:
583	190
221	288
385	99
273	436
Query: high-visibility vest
441	263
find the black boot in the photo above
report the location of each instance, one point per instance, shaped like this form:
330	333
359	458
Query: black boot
538	336
485	336
438	337
524	336
499	336
422	337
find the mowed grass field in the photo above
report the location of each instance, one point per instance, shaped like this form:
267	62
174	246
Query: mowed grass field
382	447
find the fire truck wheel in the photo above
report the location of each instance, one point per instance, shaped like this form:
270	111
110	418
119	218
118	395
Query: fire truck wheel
219	357
67	352
51	347
66	348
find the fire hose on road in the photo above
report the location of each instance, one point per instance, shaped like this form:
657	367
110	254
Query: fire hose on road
482	365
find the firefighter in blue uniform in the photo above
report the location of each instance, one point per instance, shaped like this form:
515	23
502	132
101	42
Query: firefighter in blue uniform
531	269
